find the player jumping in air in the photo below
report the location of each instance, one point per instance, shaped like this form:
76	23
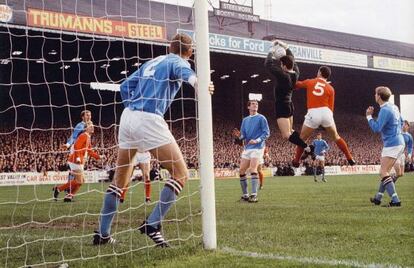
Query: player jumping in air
388	124
285	72
320	103
146	95
321	147
254	131
78	156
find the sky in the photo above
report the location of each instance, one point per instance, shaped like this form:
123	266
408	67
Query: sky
386	19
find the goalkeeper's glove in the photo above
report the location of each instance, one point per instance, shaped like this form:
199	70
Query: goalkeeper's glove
280	43
284	45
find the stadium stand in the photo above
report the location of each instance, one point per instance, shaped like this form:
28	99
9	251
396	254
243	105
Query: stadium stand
26	149
40	150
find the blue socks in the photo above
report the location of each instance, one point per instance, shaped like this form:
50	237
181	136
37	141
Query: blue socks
390	187
387	183
167	197
381	191
255	183
243	184
111	201
108	212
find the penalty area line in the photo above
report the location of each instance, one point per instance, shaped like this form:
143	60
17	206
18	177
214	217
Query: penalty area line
305	260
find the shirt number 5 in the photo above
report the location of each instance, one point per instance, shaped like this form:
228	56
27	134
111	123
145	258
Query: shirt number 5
319	89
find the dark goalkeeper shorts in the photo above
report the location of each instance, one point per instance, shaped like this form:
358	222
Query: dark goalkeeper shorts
284	110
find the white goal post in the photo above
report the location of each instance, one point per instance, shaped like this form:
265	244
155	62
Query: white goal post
208	202
54	71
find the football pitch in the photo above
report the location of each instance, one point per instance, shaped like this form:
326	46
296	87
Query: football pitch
296	223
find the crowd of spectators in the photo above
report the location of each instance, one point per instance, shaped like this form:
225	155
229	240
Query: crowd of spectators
365	147
40	150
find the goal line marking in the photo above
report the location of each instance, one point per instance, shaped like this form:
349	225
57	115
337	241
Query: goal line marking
305	260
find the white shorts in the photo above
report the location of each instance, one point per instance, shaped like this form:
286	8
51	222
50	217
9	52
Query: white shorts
74	166
316	117
143	158
401	160
261	161
320	157
253	153
393	152
143	131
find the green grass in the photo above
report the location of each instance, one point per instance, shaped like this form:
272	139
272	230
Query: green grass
295	218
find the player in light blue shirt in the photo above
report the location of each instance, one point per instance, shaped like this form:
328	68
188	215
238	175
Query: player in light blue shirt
399	165
86	116
146	95
153	87
388	124
408	139
79	128
321	147
253	132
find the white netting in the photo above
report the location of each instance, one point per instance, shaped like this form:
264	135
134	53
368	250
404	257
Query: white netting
45	83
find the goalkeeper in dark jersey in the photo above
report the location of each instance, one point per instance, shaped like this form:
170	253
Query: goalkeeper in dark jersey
285	73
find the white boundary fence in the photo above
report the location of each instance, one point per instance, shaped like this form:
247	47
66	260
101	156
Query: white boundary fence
93	176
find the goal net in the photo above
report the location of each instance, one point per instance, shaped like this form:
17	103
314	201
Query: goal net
57	60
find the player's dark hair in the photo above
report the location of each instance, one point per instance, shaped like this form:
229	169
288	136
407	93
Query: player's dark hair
180	44
325	72
406	122
84	112
288	61
250	101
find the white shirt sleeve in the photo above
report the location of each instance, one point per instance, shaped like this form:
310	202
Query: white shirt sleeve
192	80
